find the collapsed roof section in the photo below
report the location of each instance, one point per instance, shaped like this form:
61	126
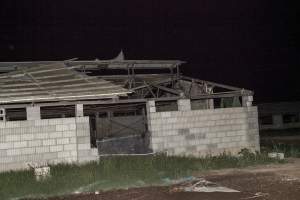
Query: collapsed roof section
54	82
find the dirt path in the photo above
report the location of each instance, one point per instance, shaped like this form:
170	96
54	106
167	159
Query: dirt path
276	182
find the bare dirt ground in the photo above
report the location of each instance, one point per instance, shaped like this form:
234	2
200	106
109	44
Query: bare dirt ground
276	182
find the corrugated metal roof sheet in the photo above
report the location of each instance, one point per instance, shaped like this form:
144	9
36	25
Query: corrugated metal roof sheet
54	82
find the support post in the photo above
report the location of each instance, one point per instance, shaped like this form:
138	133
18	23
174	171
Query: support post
151	107
33	112
2	115
184	104
247	101
79	110
210	104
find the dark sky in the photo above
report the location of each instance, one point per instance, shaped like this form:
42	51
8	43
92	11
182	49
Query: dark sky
242	43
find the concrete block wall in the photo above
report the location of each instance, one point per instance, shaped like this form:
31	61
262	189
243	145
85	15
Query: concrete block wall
202	132
47	140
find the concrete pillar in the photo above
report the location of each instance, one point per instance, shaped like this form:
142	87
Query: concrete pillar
184	104
277	120
151	107
33	113
247	101
210	104
79	110
2	115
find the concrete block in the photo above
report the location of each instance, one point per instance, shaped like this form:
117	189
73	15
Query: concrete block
83	140
69	134
6	145
73	140
34	143
73	153
82	120
56	148
55	135
212	146
70	147
68	121
3	153
72	126
151	103
28	150
62	141
226	139
62	127
11	138
83	153
152	109
33	113
63	154
50	156
2	124
13	152
12	124
79	110
27	136
43	122
191	149
84	146
200	136
41	136
19	144
190	137
42	149
55	121
49	142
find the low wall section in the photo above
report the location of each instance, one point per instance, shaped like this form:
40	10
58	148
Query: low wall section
202	132
47	140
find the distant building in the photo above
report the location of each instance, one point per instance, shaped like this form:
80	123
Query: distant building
282	115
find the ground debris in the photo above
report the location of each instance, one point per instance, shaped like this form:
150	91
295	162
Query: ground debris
200	185
256	195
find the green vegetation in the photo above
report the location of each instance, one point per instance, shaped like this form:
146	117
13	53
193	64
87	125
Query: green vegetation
118	172
289	150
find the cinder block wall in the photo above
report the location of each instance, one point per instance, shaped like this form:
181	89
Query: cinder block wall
202	132
46	140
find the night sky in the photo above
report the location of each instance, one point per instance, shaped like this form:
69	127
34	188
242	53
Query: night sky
241	43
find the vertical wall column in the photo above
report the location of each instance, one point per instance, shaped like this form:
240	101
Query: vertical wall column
151	107
184	104
210	104
2	115
79	110
33	112
247	101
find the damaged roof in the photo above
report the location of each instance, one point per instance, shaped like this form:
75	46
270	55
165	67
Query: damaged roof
54	82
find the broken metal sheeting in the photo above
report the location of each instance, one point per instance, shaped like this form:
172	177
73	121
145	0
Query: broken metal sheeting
54	83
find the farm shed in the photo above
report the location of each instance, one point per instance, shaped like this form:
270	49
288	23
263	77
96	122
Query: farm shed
76	111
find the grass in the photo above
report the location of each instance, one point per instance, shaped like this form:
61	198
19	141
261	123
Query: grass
289	150
118	172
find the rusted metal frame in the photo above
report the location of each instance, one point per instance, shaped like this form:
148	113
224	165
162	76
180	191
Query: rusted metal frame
190	89
150	90
155	82
173	91
214	84
125	101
